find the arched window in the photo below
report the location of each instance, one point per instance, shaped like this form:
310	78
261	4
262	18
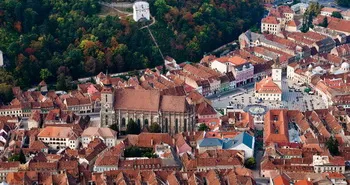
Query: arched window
139	122
166	124
176	125
123	122
146	122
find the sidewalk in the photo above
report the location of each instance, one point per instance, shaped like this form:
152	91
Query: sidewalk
235	90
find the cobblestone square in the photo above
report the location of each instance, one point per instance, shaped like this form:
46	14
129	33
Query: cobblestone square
293	98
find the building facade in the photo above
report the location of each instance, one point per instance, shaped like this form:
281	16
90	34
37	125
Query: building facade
270	88
173	113
59	137
107	135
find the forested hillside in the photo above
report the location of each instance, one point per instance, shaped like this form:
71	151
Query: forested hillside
61	40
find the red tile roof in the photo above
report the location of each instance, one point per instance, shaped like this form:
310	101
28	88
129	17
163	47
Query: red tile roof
270	20
267	85
276	127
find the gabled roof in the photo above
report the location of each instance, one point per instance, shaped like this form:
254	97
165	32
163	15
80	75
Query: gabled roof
281	180
133	99
208	142
244	138
270	20
102	132
267	85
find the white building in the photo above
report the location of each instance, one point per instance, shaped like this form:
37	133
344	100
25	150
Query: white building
11	110
1	59
327	11
107	135
59	137
277	73
7	167
242	70
346	15
270	88
163	151
323	164
244	142
300	8
270	25
170	63
34	120
141	11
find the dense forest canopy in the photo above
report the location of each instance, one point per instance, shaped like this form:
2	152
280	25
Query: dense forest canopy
61	40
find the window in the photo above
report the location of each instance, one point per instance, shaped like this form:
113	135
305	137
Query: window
176	125
123	122
166	125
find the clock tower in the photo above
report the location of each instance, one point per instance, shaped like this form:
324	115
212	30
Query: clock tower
107	114
277	73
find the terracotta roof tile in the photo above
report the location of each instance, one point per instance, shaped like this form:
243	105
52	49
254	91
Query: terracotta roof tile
270	20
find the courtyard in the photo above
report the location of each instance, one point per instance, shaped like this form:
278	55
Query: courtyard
293	98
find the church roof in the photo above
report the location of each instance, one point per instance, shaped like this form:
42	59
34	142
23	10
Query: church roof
148	100
137	99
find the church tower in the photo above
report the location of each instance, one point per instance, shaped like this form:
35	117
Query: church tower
107	113
277	73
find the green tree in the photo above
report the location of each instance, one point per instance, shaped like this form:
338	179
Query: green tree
161	8
203	127
155	128
6	94
45	74
337	14
63	82
333	146
22	158
14	157
132	127
314	9
114	127
324	22
304	27
149	155
39	34
250	163
132	151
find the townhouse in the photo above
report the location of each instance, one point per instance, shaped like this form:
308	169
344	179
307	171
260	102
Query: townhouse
59	137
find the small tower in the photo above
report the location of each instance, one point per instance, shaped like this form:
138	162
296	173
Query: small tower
107	114
277	73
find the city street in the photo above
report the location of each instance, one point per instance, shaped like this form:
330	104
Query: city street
293	98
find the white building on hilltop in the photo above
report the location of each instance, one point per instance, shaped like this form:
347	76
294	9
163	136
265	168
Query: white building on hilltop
141	11
1	59
270	88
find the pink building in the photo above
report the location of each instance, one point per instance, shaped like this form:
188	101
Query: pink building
242	70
